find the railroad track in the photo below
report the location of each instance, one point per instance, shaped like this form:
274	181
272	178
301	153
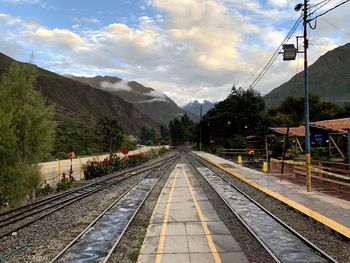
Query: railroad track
16	219
282	242
97	242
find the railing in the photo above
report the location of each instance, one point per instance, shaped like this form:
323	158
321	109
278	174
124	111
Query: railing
235	152
328	177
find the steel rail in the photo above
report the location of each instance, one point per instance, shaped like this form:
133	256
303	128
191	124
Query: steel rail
64	193
249	228
98	184
65	202
92	224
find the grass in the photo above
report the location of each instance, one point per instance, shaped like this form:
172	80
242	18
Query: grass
134	254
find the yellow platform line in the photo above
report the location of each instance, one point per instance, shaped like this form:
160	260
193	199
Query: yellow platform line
165	222
341	229
211	244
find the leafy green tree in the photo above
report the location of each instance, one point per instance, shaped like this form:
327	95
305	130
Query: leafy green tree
111	133
291	110
164	134
188	128
239	114
177	132
344	111
147	136
26	132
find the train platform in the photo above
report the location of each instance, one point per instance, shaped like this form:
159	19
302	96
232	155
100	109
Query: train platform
330	211
185	227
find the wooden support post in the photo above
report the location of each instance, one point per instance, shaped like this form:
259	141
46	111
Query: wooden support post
58	170
336	146
285	145
80	168
267	155
298	142
349	146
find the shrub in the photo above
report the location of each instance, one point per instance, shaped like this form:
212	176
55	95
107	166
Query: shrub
163	150
3	199
111	164
64	184
46	190
33	180
320	153
293	152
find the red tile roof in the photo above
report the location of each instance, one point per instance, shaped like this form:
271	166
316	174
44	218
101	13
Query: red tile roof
293	131
337	125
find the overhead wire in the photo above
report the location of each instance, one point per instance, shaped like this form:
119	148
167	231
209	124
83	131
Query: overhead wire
289	35
312	6
336	27
327	11
276	53
325	3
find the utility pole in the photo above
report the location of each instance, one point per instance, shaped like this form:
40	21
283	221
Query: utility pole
306	102
200	128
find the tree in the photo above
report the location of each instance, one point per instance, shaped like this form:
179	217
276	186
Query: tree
164	134
188	128
291	110
239	114
26	131
110	132
147	136
177	132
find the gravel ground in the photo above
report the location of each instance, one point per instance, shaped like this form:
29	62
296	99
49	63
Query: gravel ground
44	239
328	240
250	246
130	244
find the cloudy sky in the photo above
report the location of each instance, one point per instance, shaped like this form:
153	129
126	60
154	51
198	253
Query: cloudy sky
188	49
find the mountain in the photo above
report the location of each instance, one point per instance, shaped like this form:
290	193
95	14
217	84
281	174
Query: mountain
194	107
78	106
329	77
152	103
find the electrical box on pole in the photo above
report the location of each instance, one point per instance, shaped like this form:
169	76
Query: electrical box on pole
289	52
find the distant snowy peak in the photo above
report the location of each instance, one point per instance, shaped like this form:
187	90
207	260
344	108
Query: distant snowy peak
194	107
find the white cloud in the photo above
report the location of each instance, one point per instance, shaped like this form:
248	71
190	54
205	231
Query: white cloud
156	94
86	20
22	1
61	38
117	86
189	49
151	100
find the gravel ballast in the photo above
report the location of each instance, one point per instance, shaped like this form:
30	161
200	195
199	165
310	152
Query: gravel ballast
44	239
326	239
128	249
250	246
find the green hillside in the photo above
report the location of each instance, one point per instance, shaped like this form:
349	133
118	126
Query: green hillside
77	108
329	77
156	105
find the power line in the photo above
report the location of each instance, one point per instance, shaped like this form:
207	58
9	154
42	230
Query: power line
276	53
325	12
336	27
322	5
289	35
319	3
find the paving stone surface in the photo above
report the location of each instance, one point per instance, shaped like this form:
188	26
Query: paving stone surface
185	227
329	206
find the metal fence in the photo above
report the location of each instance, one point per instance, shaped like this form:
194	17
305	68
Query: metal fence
327	177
